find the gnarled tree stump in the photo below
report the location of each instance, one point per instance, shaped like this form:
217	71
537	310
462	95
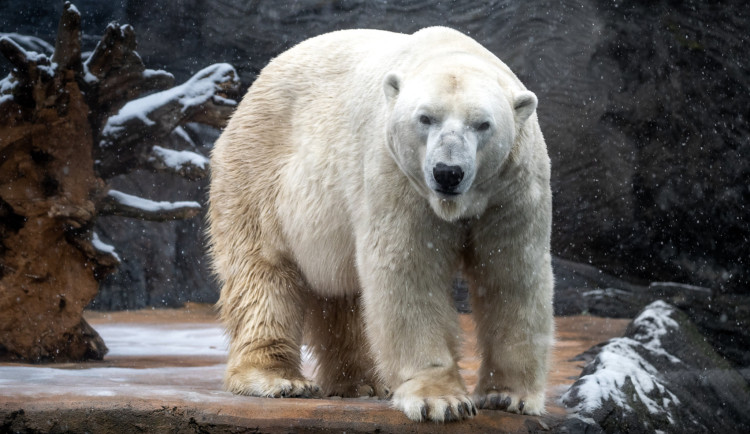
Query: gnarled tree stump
66	126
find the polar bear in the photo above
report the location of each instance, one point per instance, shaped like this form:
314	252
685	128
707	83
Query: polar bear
363	169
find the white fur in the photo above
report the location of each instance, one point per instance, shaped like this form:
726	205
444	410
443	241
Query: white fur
323	189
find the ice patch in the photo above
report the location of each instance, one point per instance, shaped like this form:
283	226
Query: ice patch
161	340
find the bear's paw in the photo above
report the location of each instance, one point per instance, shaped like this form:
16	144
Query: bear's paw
271	384
421	401
358	390
530	404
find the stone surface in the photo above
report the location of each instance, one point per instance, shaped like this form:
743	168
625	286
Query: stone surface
661	376
164	374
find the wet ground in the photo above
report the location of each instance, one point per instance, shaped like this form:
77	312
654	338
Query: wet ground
164	372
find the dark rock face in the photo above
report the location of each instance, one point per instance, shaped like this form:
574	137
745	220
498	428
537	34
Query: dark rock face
724	319
661	376
163	263
644	106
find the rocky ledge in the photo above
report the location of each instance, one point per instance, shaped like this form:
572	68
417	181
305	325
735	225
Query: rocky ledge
656	373
164	370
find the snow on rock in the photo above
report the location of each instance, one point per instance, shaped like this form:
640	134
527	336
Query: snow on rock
661	376
149	205
7	85
103	247
179	159
620	374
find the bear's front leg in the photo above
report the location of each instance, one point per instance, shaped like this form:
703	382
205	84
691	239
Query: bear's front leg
511	287
406	268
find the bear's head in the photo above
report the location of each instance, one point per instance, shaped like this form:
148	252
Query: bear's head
452	126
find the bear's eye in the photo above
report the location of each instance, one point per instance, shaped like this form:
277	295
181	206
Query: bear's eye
484	126
425	120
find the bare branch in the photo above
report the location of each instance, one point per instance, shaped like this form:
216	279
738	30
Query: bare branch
67	53
117	203
190	165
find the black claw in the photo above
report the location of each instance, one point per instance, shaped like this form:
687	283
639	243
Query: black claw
482	401
461	410
468	408
521	405
424	411
504	403
474	410
448	415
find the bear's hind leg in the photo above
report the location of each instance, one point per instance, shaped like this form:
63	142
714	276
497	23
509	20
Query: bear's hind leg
261	309
335	335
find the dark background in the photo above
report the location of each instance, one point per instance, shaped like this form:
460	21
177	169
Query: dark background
644	106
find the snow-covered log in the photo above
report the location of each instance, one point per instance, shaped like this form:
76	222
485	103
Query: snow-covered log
189	165
30	43
25	63
128	135
122	204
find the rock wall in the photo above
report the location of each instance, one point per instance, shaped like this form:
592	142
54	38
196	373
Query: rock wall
643	104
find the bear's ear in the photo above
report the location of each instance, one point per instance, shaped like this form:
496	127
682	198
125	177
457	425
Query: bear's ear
524	105
392	85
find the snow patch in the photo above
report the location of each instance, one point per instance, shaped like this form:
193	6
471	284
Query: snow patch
7	85
149	205
73	8
620	361
149	73
88	77
178	159
183	135
103	247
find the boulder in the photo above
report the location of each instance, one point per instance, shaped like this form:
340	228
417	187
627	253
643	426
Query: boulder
661	376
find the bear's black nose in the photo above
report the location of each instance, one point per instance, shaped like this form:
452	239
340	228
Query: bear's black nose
447	177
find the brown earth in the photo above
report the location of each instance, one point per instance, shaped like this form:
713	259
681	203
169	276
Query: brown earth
204	407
